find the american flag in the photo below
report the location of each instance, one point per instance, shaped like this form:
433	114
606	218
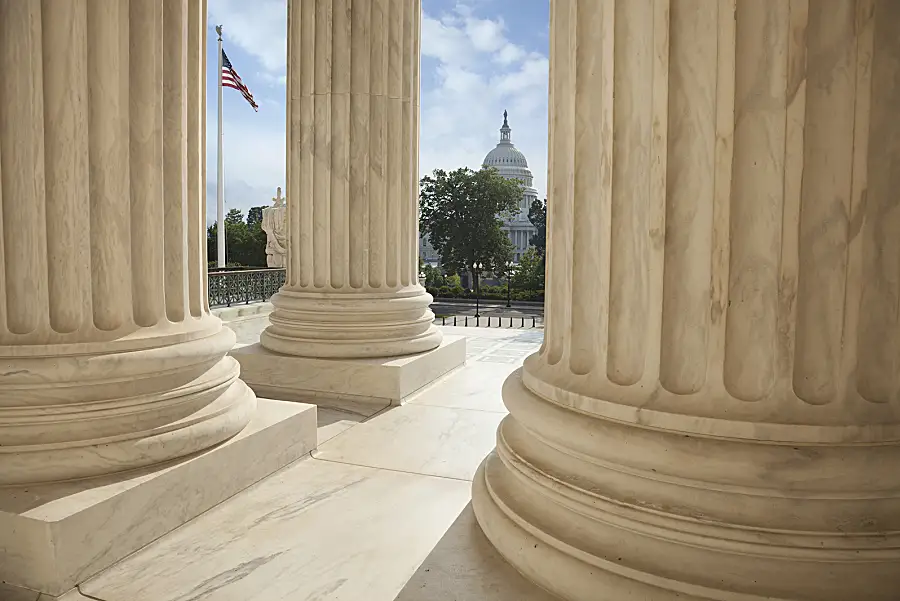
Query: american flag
230	79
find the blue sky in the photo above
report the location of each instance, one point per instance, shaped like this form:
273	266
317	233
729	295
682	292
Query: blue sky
479	57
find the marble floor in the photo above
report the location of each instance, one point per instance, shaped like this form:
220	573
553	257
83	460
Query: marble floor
380	512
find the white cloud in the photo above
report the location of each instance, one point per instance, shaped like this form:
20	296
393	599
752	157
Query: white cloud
509	53
476	71
259	27
479	73
254	162
486	35
272	79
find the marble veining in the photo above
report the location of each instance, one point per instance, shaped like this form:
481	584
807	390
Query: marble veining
308	532
356	522
53	536
449	442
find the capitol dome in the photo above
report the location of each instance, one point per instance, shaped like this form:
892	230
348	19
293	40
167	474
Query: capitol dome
510	163
507	159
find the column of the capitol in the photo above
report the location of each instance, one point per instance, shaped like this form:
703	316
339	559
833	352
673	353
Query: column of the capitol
714	414
352	318
110	360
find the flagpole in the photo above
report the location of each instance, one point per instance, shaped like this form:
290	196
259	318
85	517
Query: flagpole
220	179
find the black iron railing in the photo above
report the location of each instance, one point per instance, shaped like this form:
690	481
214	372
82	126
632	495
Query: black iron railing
245	286
487	321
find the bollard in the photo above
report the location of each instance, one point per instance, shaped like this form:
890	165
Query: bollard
467	321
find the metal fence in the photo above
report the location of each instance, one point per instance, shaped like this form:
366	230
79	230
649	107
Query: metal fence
487	321
245	286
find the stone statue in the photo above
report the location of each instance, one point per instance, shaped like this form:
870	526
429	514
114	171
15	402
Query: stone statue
273	223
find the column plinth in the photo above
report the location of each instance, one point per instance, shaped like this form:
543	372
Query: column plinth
714	412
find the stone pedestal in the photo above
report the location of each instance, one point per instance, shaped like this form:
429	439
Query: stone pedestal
381	380
56	535
714	412
274	224
352	289
109	358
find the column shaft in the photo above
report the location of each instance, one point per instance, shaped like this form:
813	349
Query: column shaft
111	358
352	288
714	412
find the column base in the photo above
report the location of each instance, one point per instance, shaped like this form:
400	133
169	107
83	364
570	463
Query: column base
54	536
387	380
75	411
330	325
596	509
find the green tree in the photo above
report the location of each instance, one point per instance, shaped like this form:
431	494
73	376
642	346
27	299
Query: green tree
461	211
433	276
245	243
529	275
235	238
254	252
212	233
254	217
537	215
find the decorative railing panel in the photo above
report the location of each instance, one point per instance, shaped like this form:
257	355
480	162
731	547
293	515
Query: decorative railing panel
245	286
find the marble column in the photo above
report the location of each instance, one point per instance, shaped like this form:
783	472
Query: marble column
352	285
109	357
715	411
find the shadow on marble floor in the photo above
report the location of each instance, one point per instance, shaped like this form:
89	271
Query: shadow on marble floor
465	566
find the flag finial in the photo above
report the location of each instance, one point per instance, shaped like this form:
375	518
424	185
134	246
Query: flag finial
219	31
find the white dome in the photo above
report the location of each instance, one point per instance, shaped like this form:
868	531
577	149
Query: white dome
505	155
507	159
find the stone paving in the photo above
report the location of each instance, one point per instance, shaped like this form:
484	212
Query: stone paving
379	512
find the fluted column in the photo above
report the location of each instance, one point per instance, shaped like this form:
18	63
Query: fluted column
109	357
715	411
352	278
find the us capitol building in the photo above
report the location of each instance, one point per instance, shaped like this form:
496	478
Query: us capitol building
511	164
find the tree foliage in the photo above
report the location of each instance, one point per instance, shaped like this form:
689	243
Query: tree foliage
234	217
433	276
245	242
461	211
529	275
254	218
537	215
